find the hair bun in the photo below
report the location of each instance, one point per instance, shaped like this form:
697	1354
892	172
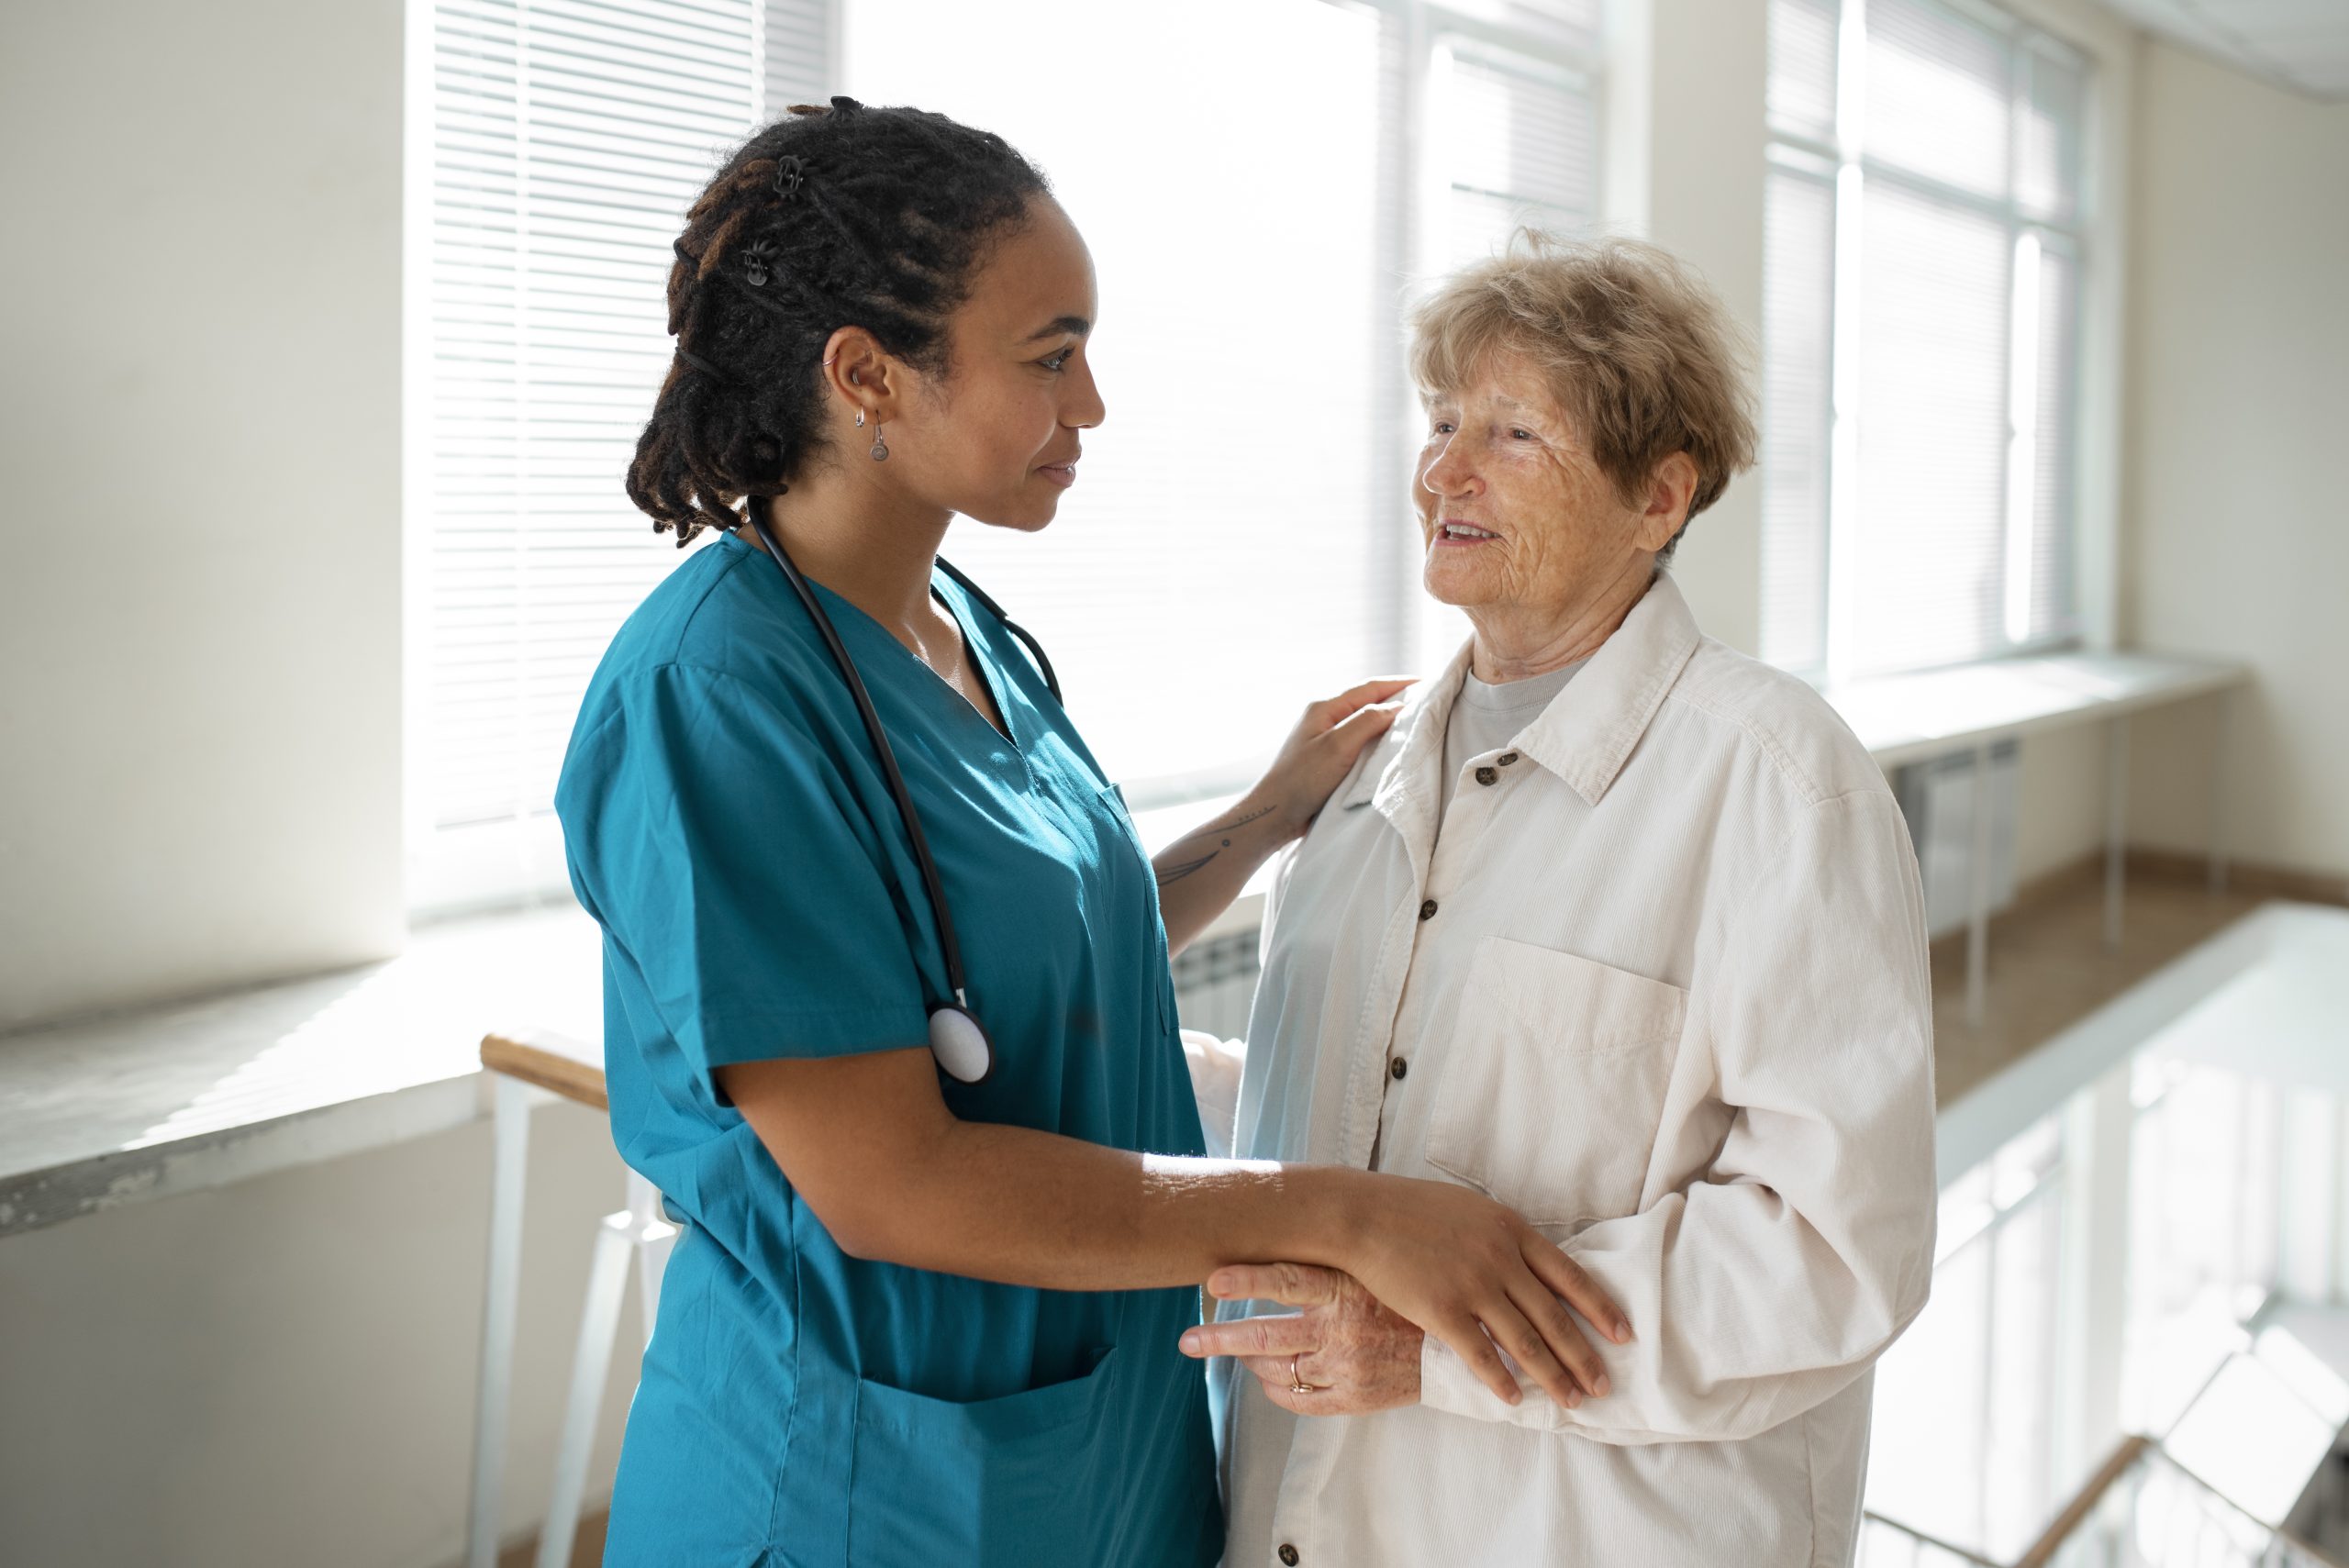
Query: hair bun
844	105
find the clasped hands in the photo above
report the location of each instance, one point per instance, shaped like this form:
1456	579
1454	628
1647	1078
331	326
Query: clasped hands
1345	1352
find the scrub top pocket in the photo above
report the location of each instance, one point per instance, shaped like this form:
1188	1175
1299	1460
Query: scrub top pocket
1006	1483
1553	1087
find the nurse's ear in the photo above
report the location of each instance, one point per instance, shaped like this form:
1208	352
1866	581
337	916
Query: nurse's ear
862	378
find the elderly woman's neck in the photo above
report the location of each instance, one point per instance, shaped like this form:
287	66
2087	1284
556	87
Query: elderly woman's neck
1517	641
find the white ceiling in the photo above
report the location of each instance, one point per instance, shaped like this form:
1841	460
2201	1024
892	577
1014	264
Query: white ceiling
2300	44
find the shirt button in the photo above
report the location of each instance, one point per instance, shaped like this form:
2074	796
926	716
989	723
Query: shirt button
1426	910
1488	775
1507	758
1287	1554
1397	1068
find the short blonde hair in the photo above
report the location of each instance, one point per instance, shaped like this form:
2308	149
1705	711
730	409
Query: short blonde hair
1635	347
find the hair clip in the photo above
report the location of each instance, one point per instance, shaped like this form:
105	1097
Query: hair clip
756	256
790	171
697	363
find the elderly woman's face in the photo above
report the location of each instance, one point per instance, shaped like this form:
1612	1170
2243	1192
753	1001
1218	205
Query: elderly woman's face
1514	512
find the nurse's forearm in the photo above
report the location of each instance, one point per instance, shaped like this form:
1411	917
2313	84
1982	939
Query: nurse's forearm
1200	874
1026	1207
894	1175
871	1147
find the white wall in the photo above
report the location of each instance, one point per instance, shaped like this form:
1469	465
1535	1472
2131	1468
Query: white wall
200	545
1684	140
280	1374
2239	520
200	564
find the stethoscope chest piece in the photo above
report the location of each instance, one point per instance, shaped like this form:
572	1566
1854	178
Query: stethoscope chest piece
961	1044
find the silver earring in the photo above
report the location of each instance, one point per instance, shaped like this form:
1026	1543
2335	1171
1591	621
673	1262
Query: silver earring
860	418
880	447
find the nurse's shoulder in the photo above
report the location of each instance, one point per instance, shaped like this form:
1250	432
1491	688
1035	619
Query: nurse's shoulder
716	618
711	674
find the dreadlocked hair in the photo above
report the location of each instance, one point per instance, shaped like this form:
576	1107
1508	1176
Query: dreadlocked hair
837	216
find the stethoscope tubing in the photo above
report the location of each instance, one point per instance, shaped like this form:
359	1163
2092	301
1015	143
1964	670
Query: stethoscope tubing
948	943
944	1037
1010	625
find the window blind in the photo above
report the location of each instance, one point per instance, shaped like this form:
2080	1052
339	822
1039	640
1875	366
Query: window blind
1940	95
1929	572
1948	222
565	139
1519	142
2053	108
1516	137
1800	85
1574	22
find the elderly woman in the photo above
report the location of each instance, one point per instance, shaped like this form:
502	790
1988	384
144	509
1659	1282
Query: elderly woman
1622	929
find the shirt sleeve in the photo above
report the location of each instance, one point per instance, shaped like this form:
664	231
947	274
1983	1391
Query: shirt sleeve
1776	1280
724	852
1217	1067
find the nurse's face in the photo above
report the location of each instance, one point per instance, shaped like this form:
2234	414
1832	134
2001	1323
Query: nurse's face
995	438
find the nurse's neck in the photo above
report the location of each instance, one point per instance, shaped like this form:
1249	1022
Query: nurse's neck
869	544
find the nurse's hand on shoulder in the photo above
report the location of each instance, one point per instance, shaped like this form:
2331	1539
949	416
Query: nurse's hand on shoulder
1321	748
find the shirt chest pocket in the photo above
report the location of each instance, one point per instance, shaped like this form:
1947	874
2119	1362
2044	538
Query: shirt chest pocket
1554	1085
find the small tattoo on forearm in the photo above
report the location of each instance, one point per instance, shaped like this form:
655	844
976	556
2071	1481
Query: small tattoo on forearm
1182	869
1178	873
1220	828
1239	822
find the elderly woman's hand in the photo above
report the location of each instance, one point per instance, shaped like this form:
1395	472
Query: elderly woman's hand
1354	1354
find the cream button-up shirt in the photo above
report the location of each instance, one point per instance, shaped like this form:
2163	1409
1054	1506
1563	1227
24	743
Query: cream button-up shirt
1657	980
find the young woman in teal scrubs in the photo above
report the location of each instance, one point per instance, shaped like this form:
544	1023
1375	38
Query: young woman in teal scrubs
913	1321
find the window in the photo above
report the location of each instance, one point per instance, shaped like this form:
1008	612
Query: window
1512	137
1257	186
1241	539
2205	1205
1966	1401
1923	230
561	141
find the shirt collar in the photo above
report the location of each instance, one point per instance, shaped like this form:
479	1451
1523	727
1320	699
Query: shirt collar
1427	708
1588	731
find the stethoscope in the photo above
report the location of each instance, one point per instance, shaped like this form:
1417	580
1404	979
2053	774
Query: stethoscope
965	1050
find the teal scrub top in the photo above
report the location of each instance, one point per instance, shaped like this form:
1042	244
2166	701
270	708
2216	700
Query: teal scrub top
729	827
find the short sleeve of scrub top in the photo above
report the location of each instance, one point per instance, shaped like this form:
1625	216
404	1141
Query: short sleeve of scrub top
753	904
729	827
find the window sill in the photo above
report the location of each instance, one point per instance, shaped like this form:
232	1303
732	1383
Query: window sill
116	1109
1907	719
133	1106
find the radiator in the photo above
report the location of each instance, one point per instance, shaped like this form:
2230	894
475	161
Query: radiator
1215	982
1938	798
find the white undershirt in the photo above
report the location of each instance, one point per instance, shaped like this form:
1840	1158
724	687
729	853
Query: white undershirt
1487	718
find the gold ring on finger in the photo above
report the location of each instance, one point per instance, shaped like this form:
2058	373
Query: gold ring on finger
1297	1383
